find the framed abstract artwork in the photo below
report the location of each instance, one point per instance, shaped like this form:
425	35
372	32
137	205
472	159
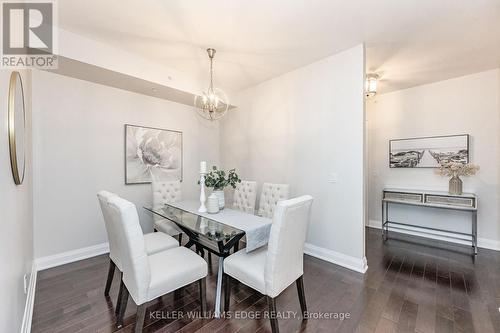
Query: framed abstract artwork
152	154
428	152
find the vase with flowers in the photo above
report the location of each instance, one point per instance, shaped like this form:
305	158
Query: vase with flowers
218	179
455	170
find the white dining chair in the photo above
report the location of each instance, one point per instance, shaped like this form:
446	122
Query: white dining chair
271	269
165	192
147	277
153	242
245	196
270	195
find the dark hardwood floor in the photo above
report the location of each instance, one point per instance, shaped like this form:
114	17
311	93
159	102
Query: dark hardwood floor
412	285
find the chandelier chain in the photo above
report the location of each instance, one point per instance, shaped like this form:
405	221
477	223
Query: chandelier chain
211	74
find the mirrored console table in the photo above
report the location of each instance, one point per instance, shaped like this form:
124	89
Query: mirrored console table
466	202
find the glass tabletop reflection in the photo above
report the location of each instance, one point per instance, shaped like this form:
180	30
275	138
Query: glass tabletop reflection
208	228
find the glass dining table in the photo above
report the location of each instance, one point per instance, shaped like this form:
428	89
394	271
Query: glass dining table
205	234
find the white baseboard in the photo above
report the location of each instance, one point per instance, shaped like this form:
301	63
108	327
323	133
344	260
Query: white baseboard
352	263
487	243
484	243
42	263
71	256
30	302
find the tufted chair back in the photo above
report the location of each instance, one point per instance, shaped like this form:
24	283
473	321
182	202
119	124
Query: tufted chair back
245	196
114	250
136	270
271	194
165	192
285	250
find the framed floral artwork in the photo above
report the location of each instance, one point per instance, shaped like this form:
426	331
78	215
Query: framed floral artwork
152	154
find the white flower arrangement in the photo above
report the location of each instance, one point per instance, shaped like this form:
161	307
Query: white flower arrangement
456	169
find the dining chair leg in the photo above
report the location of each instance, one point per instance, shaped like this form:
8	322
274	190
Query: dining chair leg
111	272
226	281
180	239
119	298
203	295
236	247
302	297
141	315
271	302
209	258
123	307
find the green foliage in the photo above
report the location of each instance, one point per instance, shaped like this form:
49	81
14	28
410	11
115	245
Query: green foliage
217	179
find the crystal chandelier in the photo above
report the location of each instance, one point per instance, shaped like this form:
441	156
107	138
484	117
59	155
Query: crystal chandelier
213	103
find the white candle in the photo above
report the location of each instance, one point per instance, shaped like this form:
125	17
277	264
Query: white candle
203	167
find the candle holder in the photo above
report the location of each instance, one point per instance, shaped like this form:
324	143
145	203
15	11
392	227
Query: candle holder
203	198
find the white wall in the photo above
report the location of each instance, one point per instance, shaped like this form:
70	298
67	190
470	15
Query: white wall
78	130
297	129
469	104
16	211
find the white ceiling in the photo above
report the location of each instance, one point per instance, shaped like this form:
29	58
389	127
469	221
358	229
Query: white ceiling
408	42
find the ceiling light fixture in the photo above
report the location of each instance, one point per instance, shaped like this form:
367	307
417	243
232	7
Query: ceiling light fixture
371	85
213	103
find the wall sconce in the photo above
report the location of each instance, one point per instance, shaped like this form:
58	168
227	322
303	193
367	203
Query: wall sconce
371	85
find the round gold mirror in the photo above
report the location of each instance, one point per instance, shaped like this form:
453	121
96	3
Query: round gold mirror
17	131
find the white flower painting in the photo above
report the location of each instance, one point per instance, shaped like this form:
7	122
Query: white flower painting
152	154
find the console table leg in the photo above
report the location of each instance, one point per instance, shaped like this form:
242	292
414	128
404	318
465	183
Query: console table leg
385	224
474	231
382	221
